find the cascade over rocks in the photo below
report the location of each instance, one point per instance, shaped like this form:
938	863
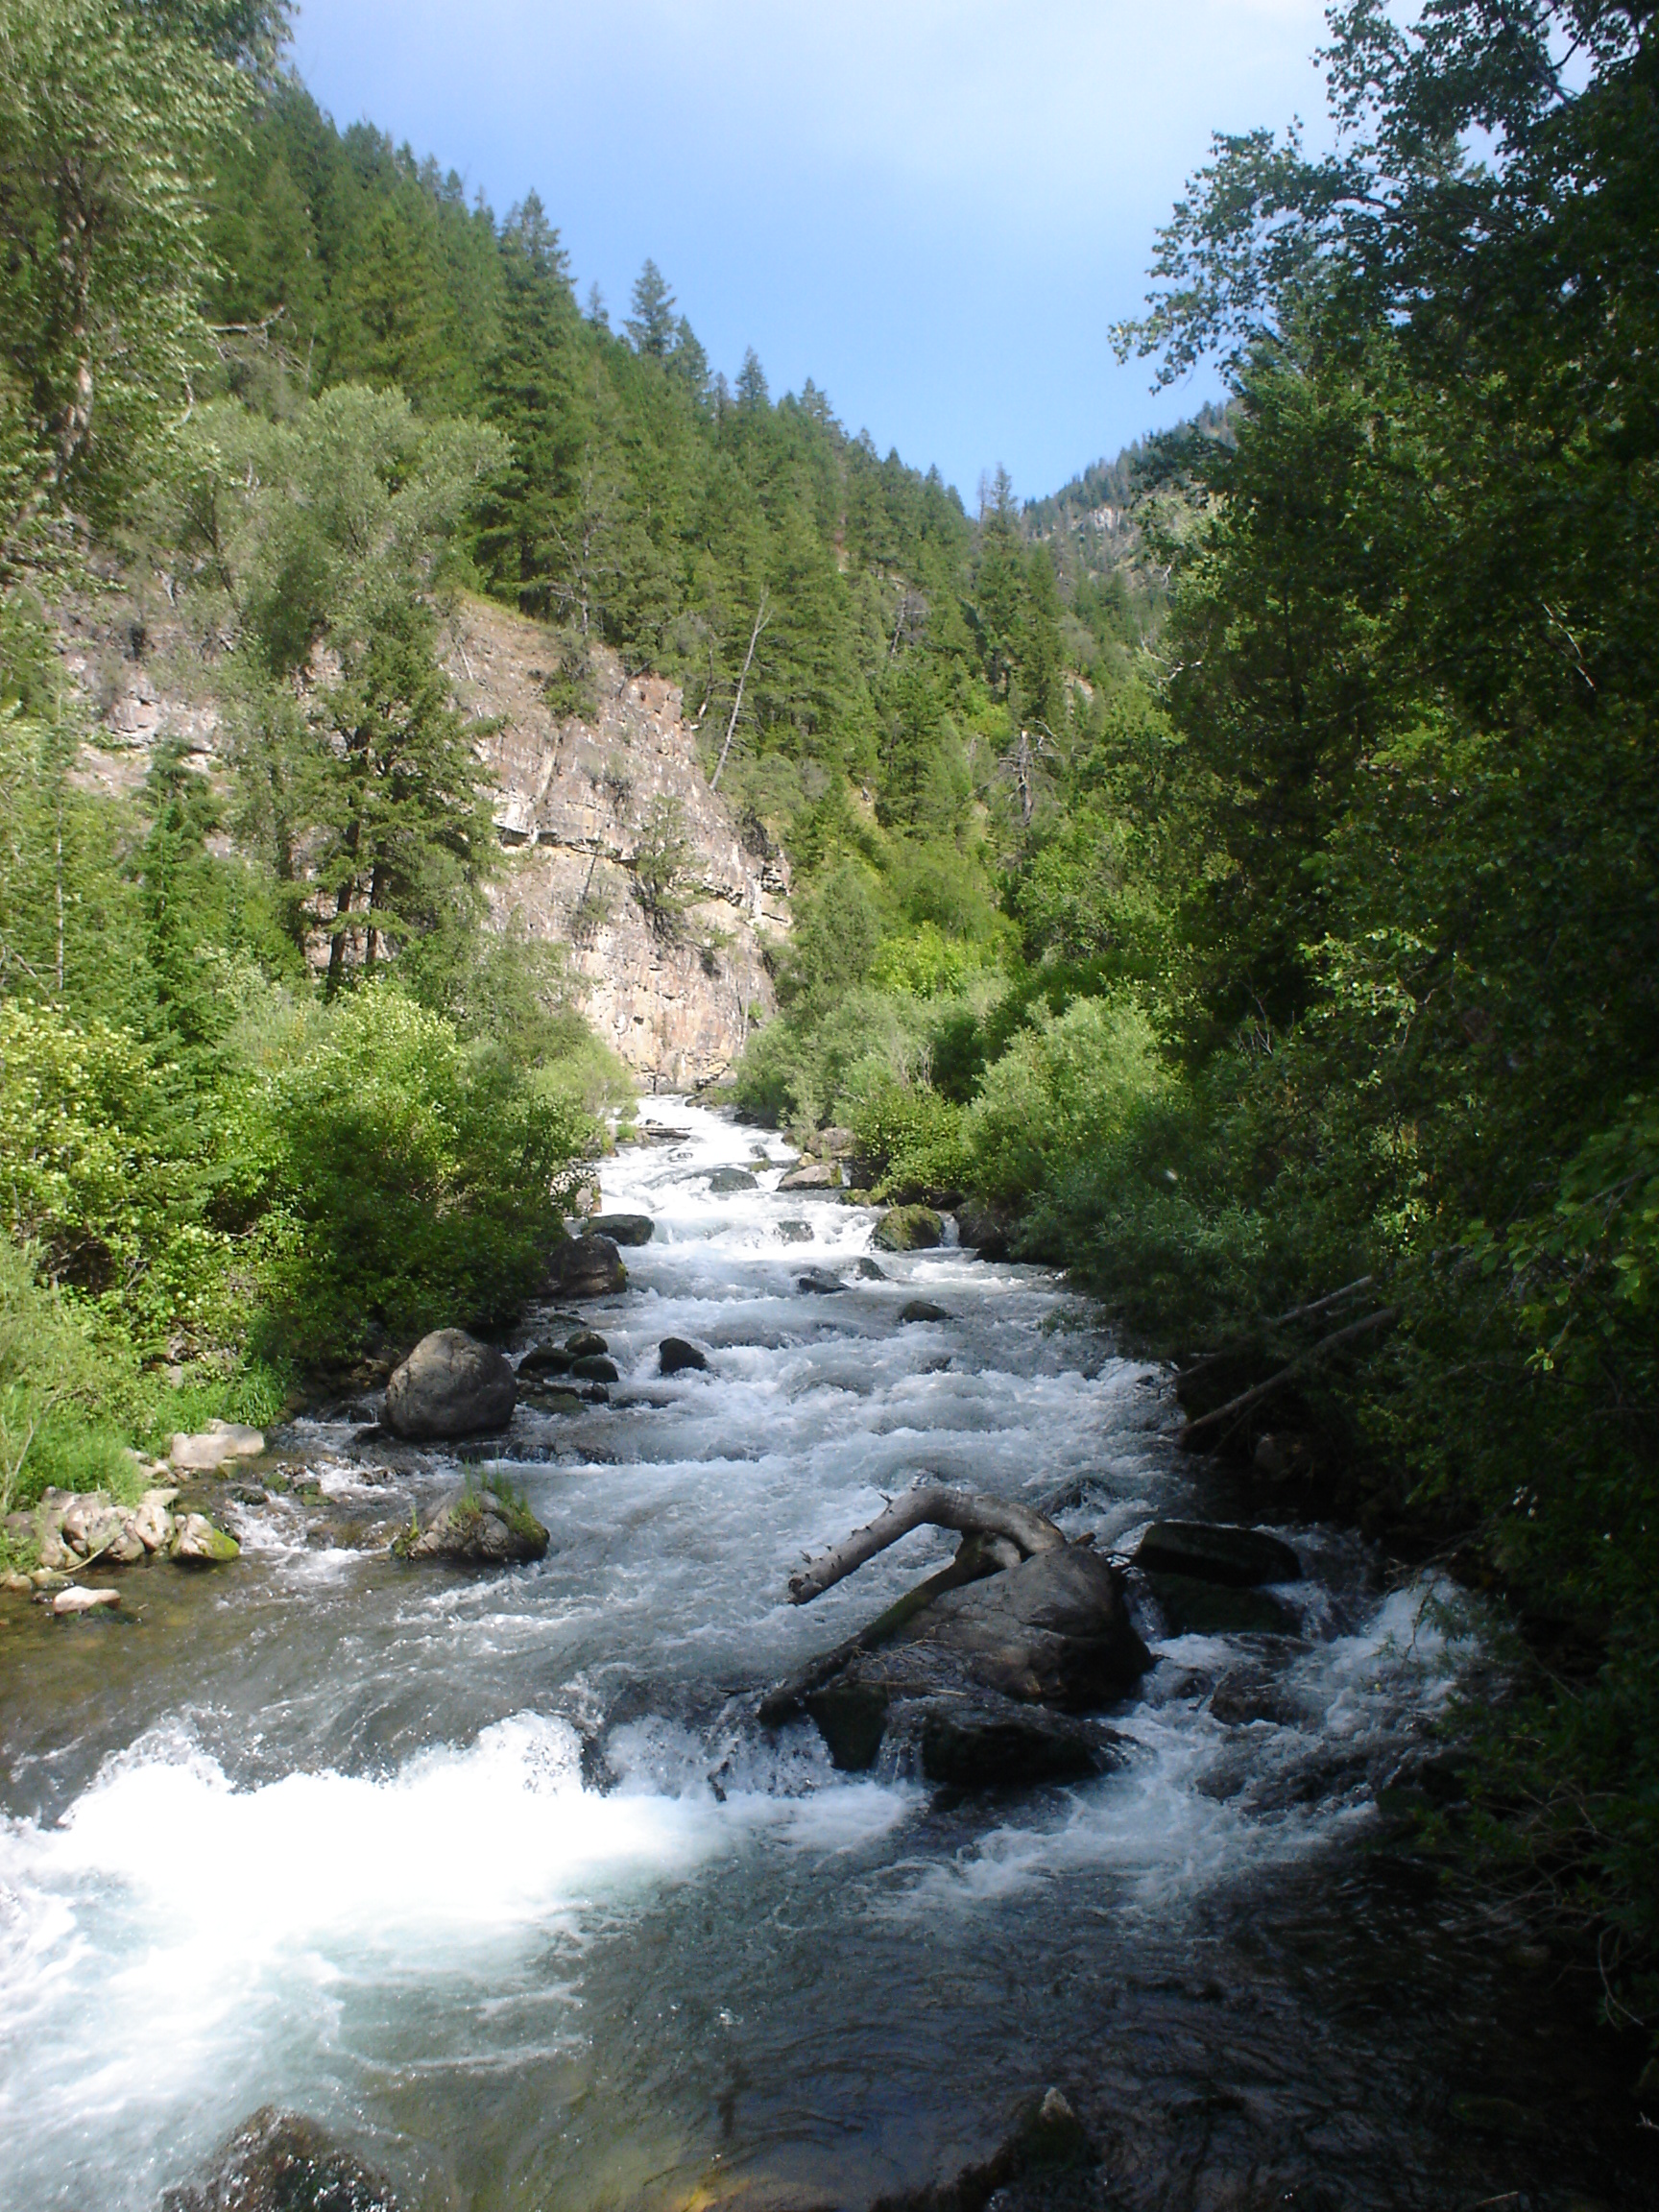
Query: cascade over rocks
451	1386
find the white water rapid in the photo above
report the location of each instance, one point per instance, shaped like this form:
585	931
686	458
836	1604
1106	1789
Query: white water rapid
494	1873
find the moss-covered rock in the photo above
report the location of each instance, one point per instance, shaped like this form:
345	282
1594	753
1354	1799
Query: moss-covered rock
909	1229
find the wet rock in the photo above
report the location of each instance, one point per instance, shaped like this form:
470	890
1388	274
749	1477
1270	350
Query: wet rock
278	2162
814	1175
16	1585
987	1230
585	1344
543	1359
795	1231
451	1386
971	1748
595	1394
1053	1629
852	1718
481	1526
1044	2162
675	1357
869	1270
557	1401
923	1310
151	1522
594	1367
819	1281
1190	1607
68	1602
587	1267
621	1228
199	1544
213	1446
722	1182
909	1229
1215	1552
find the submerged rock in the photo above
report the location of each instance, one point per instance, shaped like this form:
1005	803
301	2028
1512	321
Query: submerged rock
484	1526
909	1229
869	1270
795	1231
621	1228
1217	1552
218	1442
675	1357
280	2162
451	1386
84	1600
923	1310
724	1181
585	1267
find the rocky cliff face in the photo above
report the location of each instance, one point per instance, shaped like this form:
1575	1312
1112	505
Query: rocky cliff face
592	811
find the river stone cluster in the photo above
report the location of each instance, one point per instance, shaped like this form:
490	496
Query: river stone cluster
78	1529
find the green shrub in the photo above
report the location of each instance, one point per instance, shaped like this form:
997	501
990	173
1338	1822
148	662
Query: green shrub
403	1180
1064	1092
910	1141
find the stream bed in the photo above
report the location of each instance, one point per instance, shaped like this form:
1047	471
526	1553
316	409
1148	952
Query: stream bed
495	1876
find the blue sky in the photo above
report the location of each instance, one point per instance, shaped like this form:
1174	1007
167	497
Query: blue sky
936	212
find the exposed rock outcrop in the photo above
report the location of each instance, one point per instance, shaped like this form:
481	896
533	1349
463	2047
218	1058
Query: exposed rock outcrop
482	1528
451	1386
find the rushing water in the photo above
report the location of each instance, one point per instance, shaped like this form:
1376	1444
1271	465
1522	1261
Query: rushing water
495	1876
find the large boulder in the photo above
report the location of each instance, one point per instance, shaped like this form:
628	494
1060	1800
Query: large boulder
278	2162
1192	1607
477	1526
909	1229
585	1267
451	1385
1217	1552
963	1677
621	1228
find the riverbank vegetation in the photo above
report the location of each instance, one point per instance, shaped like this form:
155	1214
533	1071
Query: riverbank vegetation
1234	876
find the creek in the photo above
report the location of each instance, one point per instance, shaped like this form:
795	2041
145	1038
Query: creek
495	1874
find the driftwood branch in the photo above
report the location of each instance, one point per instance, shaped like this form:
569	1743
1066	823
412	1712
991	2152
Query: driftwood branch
1384	1318
1236	1344
928	1503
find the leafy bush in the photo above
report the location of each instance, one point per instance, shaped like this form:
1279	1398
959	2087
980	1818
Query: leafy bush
1064	1090
910	1141
404	1180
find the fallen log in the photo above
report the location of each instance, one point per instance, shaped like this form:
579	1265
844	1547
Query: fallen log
1384	1317
929	1504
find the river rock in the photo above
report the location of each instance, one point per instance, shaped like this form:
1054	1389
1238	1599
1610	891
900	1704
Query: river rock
819	1282
987	1230
151	1522
543	1359
586	1344
814	1175
622	1228
909	1229
795	1231
675	1357
477	1525
835	1143
869	1270
1217	1552
585	1267
278	2162
1191	1607
213	1446
722	1182
84	1600
923	1310
988	1748
451	1386
199	1544
594	1367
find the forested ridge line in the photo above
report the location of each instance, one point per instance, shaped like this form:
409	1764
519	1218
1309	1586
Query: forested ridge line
1233	876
